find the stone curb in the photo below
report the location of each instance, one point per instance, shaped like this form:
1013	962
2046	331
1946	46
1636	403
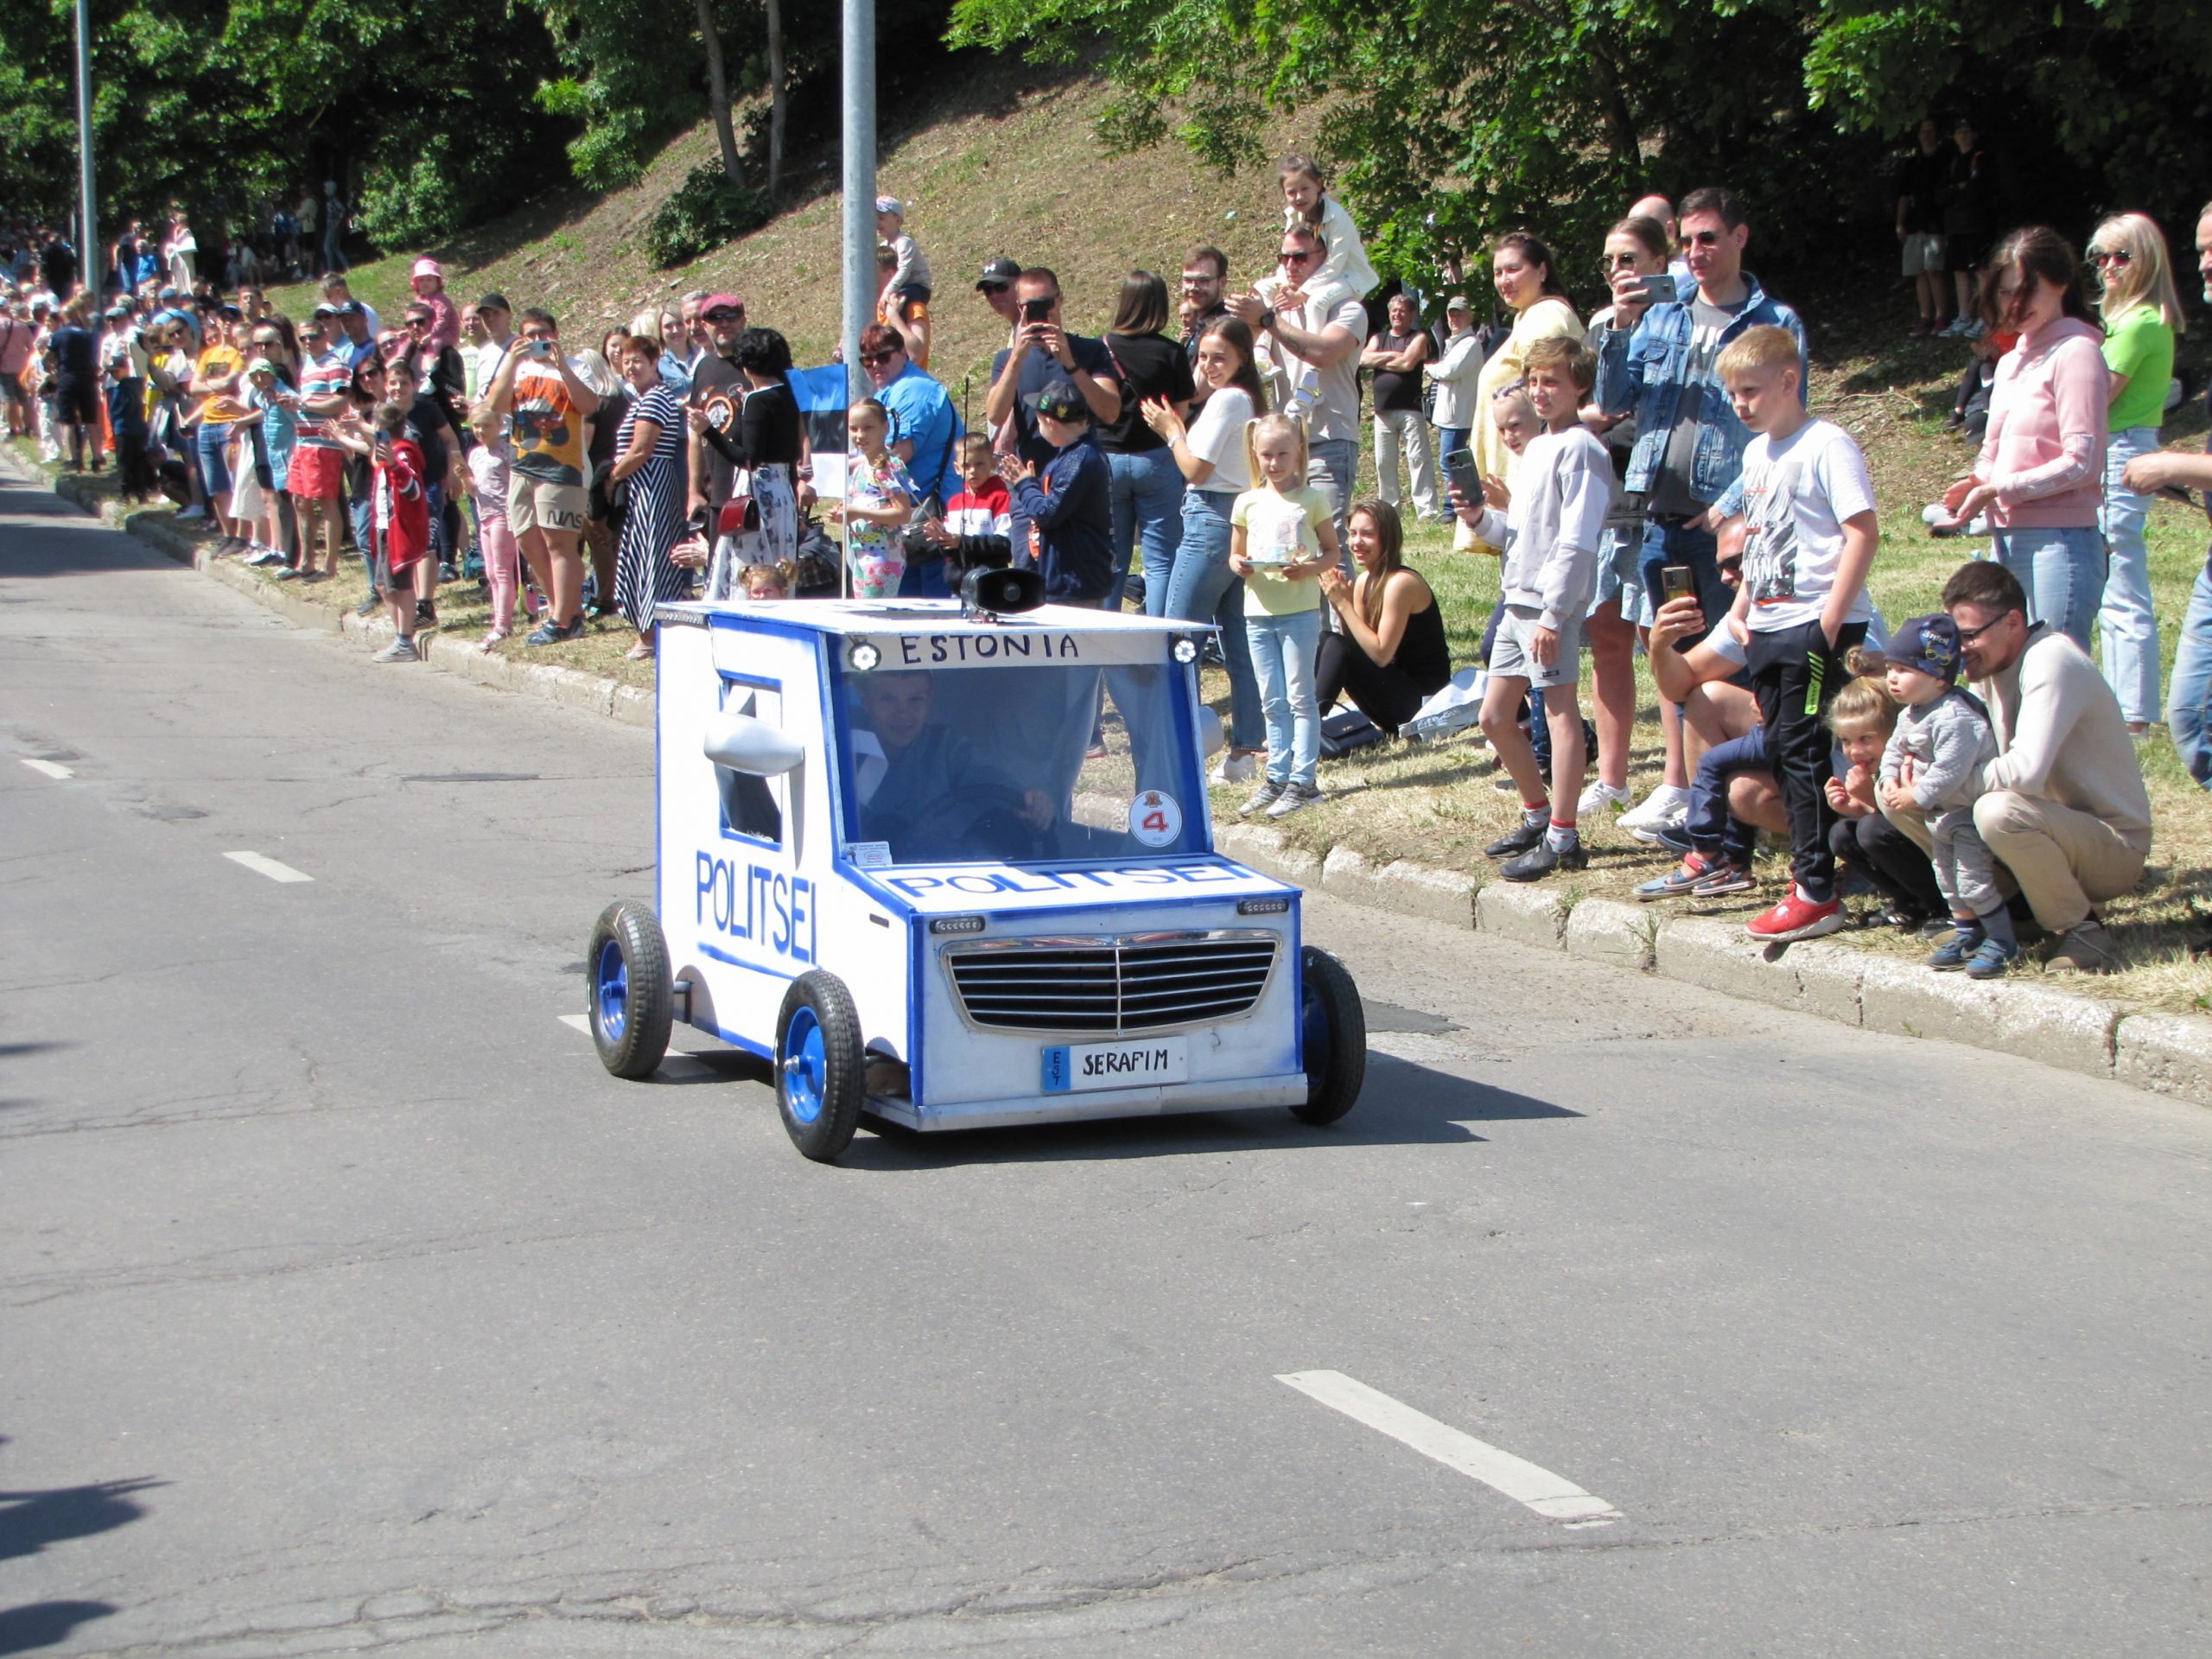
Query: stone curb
2164	1053
632	705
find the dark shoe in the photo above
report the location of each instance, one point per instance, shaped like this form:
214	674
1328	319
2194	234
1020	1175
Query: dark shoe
1674	838
1541	860
1516	840
1991	958
426	613
1907	921
447	573
2084	949
370	606
549	634
1957	950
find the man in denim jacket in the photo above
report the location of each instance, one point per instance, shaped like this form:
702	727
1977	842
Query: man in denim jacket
1657	360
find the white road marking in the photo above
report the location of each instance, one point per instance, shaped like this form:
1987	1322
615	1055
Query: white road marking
578	1021
51	768
1551	1496
261	865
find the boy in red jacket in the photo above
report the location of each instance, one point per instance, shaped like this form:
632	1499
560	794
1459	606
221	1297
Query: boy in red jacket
402	520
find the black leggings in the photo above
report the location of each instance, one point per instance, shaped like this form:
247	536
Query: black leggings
1384	692
1877	849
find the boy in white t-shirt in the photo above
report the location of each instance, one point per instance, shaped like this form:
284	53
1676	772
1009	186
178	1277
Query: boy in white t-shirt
1809	541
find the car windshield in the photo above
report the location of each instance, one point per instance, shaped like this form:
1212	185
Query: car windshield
994	764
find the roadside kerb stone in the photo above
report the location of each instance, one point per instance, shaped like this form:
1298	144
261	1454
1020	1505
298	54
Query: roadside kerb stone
2166	1054
1531	914
2061	1028
1810	978
1606	930
1269	853
1409	889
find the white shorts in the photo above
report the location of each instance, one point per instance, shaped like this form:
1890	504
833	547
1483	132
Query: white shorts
1924	254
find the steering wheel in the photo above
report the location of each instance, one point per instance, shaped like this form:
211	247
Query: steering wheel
979	820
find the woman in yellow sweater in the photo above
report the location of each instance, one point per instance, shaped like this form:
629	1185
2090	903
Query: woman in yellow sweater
1528	282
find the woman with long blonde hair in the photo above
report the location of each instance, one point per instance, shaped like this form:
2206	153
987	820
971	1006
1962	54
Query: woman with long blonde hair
2141	311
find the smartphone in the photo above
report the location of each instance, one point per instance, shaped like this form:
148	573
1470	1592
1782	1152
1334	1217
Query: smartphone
1036	310
1662	288
1467	475
1675	581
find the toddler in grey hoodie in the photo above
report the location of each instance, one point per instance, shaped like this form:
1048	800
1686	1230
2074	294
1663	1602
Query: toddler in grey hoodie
1932	766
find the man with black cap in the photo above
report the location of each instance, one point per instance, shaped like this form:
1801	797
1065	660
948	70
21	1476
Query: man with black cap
996	286
1064	509
336	292
718	393
355	341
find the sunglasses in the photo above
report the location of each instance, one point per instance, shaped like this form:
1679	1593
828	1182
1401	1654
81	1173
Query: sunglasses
876	359
418	322
2110	256
1617	262
1702	239
991	288
1294	257
722	314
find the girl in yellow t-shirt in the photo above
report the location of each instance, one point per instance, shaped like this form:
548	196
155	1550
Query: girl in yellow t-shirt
1280	533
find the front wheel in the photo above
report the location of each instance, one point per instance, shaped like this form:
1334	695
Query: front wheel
820	1068
1335	1035
632	1001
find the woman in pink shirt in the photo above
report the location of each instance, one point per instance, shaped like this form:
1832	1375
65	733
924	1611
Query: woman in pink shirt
2040	474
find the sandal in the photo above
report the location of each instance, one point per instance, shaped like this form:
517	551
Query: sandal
640	652
491	640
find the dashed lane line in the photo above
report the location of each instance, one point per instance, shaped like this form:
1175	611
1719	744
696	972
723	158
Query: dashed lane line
261	864
1554	1496
51	768
578	1022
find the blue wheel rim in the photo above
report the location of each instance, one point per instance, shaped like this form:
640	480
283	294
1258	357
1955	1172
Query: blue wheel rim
804	1066
611	990
1314	1020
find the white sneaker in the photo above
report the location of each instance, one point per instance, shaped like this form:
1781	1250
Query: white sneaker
1599	798
1663	805
1235	769
196	511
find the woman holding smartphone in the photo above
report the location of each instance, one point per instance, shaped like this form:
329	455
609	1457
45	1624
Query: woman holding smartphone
1636	252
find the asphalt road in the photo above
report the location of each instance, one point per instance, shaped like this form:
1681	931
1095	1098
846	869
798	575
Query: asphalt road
346	1304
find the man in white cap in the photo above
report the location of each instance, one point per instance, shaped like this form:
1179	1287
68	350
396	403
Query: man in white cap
428	279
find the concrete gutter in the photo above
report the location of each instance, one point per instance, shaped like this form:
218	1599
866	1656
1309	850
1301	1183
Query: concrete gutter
2167	1054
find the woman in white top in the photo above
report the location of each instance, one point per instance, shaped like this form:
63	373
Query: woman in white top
1201	587
1305	201
1527	281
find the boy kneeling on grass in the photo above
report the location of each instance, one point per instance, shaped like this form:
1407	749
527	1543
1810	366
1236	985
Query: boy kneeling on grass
1809	542
1550	536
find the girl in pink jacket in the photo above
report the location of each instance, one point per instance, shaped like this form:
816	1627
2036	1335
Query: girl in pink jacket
2040	474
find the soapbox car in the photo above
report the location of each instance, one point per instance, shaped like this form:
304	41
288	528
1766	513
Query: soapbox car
887	863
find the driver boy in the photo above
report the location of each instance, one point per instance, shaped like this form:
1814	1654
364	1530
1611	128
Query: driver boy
908	769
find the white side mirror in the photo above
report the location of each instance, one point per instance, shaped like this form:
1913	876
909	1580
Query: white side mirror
1212	738
746	745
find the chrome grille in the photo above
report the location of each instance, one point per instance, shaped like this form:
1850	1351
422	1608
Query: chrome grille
1106	986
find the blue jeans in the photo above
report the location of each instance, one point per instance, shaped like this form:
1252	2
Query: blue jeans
1147	497
2189	700
215	469
1282	662
1202	587
2128	624
1712	831
2063	570
1339	458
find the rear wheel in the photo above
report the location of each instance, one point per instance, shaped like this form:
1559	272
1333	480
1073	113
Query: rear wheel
820	1068
632	1001
1335	1038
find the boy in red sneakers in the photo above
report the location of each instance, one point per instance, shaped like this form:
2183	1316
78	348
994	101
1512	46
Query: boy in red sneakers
1809	541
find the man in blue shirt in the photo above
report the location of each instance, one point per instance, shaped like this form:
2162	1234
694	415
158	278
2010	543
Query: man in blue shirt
924	433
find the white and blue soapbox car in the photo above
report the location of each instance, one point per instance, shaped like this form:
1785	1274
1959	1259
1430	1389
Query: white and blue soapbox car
890	865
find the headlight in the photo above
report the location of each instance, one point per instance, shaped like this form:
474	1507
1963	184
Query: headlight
862	656
956	925
1262	906
1186	650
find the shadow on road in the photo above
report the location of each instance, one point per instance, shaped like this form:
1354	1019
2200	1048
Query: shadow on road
43	1623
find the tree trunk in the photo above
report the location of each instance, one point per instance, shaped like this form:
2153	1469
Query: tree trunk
775	9
718	92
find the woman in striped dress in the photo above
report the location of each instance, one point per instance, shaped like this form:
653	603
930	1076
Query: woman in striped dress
650	459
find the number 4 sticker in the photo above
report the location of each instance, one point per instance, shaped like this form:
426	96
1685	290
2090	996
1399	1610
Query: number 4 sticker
1155	820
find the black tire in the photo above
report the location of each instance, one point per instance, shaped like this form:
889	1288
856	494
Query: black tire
633	999
821	1070
1335	1038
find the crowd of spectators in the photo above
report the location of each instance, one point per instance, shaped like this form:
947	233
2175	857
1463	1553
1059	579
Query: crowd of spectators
1650	478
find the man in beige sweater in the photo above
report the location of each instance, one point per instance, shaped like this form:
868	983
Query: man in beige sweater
2064	805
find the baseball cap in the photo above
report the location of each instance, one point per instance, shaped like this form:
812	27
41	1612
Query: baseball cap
890	205
999	270
1458	302
426	267
494	302
325	310
351	308
261	365
1929	643
1060	401
715	303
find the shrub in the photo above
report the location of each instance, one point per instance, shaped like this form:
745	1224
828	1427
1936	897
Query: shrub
706	211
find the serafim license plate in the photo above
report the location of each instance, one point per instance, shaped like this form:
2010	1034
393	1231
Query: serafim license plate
1073	1068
